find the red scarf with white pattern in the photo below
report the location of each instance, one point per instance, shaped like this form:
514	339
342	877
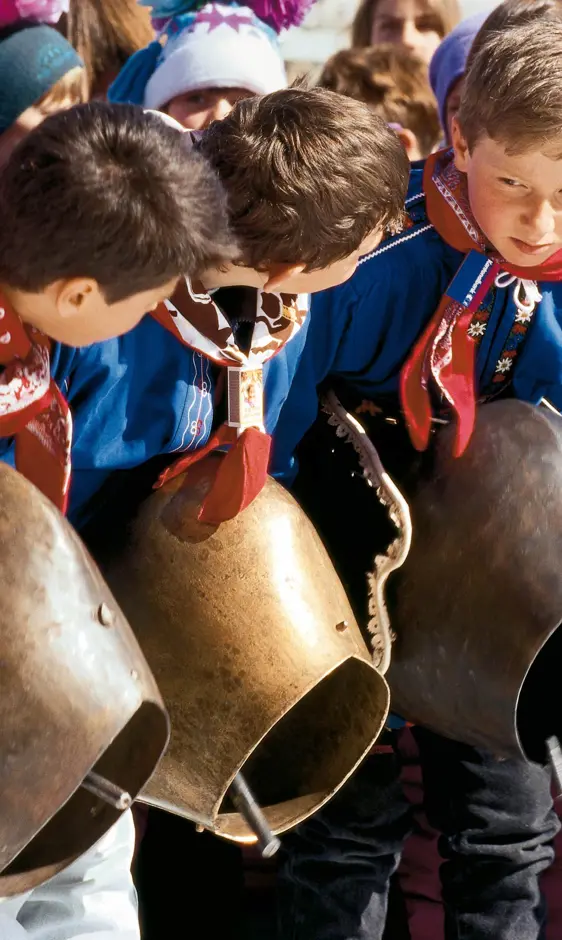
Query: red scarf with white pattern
33	409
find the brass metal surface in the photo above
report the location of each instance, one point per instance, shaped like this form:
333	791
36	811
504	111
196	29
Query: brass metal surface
477	606
76	693
242	627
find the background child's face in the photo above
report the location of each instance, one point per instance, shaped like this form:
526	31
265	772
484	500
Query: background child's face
516	198
29	120
197	109
452	105
410	23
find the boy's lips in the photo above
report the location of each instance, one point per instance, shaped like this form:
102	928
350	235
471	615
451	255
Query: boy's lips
529	249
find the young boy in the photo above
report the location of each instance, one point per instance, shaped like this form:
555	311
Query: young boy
105	208
310	187
102	210
487	213
394	83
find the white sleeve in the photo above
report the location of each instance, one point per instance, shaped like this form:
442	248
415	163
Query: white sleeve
10	929
93	899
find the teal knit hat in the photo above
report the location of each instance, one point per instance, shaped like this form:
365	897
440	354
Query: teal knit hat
32	59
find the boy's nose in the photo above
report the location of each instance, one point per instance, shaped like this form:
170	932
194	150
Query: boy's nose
542	219
220	110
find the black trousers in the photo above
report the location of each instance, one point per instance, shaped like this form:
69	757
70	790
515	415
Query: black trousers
497	825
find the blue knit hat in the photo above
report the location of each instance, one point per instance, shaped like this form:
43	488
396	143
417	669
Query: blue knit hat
32	59
449	60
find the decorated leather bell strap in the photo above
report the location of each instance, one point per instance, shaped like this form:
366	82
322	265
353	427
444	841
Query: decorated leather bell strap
33	409
243	470
197	321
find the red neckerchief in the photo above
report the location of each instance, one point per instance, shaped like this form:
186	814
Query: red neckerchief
32	408
198	322
445	352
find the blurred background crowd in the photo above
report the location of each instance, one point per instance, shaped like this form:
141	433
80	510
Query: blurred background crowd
195	60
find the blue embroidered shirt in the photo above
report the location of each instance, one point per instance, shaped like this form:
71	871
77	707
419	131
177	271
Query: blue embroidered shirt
139	396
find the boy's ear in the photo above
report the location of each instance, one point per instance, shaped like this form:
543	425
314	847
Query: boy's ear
74	295
277	274
460	147
410	142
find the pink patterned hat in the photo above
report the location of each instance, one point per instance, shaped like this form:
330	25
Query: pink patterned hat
44	11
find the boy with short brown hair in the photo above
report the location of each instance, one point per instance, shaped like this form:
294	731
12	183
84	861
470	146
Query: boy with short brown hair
103	209
394	83
309	184
463	306
104	203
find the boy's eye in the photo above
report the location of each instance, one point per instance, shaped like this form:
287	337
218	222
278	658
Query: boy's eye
508	182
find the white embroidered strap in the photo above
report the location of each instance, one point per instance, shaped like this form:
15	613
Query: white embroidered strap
399	512
526	294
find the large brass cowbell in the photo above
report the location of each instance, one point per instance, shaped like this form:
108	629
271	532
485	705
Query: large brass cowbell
255	650
76	694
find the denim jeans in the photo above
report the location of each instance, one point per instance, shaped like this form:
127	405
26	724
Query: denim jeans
496	822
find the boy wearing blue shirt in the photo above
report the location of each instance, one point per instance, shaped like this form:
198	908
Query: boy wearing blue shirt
465	304
102	211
